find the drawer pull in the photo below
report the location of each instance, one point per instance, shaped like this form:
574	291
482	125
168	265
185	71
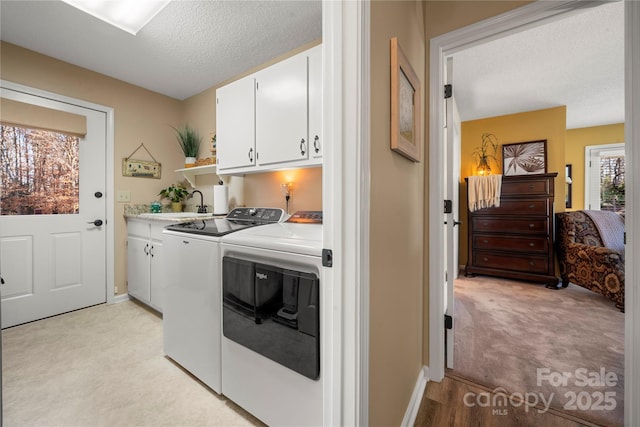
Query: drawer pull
531	206
485	241
532	263
532	244
485	259
532	225
530	186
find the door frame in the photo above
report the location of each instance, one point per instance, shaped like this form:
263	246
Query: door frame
109	131
491	29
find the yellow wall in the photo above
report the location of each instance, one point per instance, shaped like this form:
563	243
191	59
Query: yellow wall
549	124
397	220
577	140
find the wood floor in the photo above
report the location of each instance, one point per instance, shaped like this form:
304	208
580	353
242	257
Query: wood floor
443	404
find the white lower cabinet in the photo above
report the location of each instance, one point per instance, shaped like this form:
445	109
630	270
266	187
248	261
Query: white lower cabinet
145	278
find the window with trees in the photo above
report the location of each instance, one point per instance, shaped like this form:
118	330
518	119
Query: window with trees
39	172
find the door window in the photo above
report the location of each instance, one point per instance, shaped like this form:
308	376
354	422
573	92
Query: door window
40	172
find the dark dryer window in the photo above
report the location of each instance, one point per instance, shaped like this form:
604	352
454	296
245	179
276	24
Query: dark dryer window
274	312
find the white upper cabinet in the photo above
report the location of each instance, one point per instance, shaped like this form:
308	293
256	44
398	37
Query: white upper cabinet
281	112
272	119
315	101
235	124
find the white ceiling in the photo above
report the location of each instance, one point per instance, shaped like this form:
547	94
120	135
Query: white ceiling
193	45
188	47
577	61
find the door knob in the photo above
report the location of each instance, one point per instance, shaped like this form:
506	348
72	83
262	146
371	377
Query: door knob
98	194
97	222
456	222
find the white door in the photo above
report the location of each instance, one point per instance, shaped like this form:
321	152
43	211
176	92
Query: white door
281	111
235	122
452	193
55	263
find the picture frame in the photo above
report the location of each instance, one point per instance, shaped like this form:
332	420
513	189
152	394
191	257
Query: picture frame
405	106
524	158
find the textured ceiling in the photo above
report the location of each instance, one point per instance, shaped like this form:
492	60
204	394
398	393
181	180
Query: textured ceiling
577	61
188	47
193	45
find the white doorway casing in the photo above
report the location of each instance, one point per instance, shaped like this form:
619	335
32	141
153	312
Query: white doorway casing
490	29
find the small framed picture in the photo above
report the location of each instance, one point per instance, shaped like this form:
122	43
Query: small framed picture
405	106
524	158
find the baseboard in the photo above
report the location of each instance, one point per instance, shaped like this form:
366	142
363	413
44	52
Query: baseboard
120	298
416	398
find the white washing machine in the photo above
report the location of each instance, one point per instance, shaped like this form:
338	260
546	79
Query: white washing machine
192	312
272	309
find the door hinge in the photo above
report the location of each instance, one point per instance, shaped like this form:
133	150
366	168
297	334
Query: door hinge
448	91
327	258
448	322
448	206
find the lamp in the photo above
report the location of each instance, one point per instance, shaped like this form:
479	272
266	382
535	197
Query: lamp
286	188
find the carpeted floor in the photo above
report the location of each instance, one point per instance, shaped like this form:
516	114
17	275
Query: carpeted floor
565	347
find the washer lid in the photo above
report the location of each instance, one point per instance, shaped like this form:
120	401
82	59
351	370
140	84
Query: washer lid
305	238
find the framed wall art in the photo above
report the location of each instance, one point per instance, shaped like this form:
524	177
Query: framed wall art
524	158
405	105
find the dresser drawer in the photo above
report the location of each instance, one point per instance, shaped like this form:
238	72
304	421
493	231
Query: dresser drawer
529	188
508	225
511	243
517	207
525	263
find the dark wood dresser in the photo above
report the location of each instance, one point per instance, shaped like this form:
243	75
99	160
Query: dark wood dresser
515	240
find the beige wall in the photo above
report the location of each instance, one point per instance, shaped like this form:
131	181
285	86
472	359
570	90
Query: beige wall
140	116
144	116
577	140
397	220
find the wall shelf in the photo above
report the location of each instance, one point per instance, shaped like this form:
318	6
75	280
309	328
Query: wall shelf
190	173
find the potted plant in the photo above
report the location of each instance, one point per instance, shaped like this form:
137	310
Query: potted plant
189	140
485	153
176	193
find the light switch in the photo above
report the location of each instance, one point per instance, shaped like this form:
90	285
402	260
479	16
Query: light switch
123	196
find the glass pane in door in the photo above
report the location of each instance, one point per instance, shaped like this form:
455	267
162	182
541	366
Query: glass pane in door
612	183
39	172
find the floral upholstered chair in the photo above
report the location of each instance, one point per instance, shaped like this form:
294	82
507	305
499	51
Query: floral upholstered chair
590	247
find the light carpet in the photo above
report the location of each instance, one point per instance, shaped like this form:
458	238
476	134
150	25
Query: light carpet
103	366
505	331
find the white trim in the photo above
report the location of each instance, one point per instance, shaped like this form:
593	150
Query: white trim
109	160
632	206
119	298
416	398
515	20
345	183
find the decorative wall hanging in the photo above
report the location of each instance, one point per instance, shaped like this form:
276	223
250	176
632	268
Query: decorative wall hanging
141	168
524	158
405	105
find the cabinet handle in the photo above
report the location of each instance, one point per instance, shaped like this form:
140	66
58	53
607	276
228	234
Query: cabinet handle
251	155
151	251
316	144
302	147
146	249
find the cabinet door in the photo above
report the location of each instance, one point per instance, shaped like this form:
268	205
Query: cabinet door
138	268
157	276
281	112
235	124
315	101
